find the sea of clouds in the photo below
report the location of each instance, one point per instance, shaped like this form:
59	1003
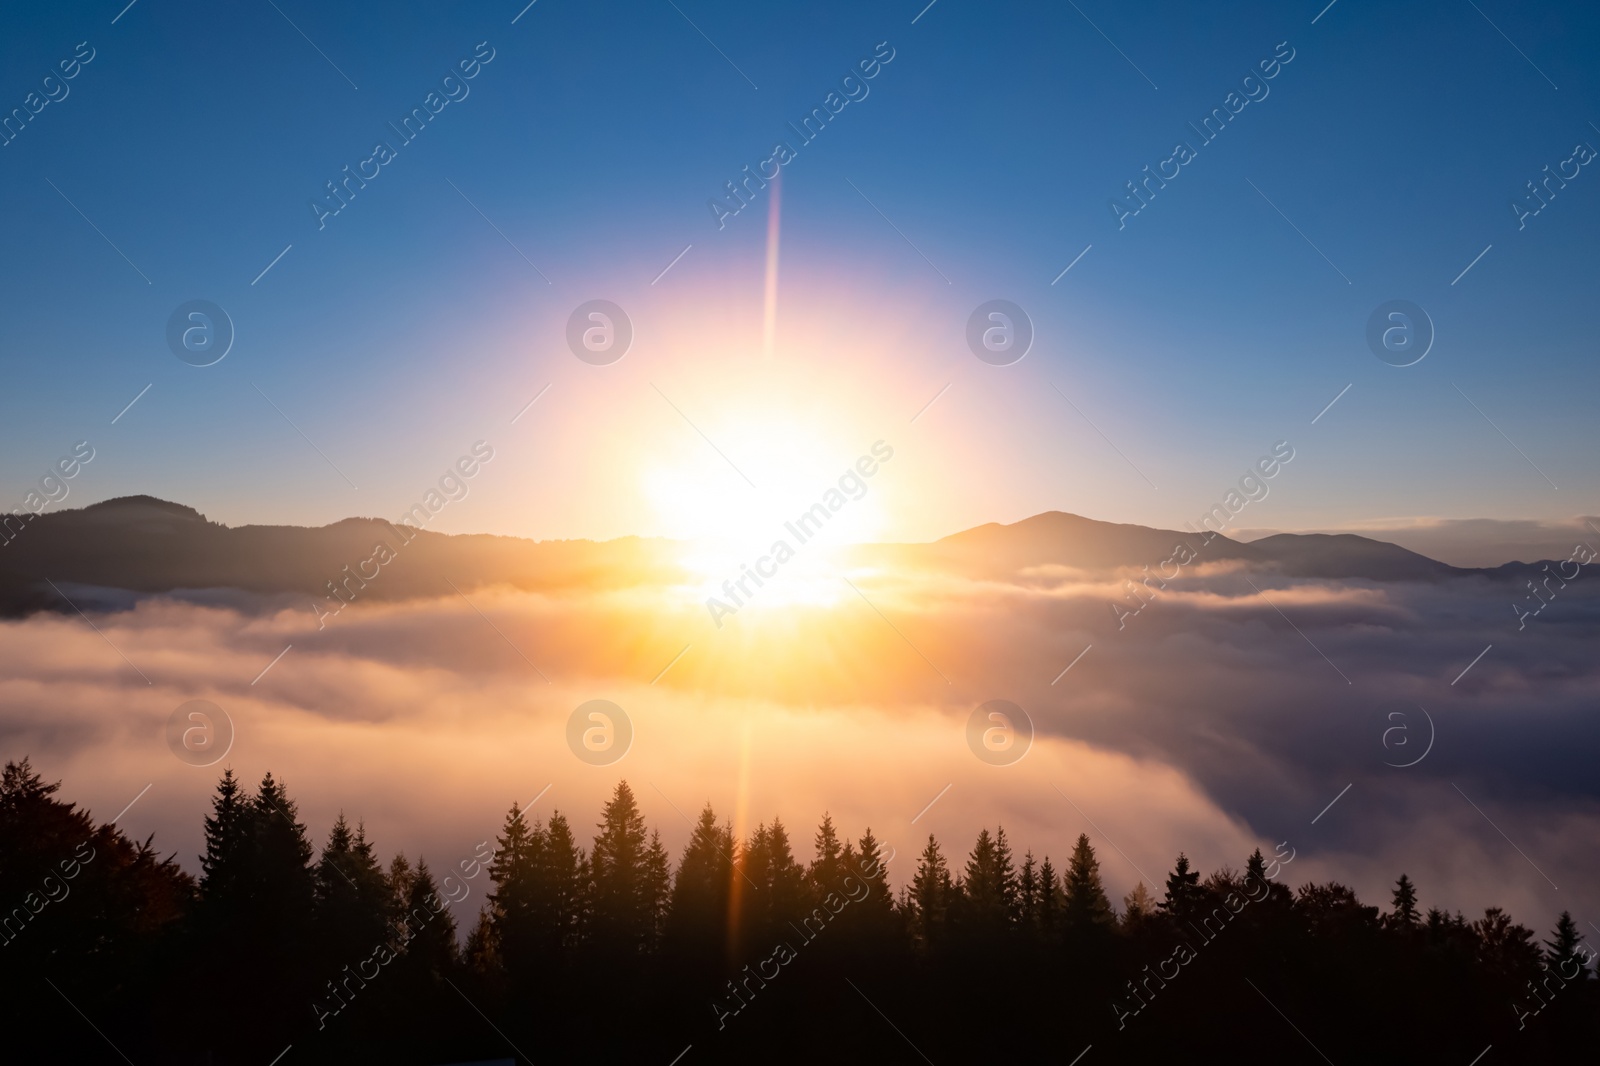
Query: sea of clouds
1229	718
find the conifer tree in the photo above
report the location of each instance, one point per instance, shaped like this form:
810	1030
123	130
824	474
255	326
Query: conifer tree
284	886
259	906
1137	908
400	875
23	791
988	889
875	911
771	888
1563	952
512	920
1183	891
557	888
752	924
620	915
1052	902
698	920
1405	914
1087	908
931	897
657	891
827	868
227	867
1007	872
353	899
1272	909
429	929
785	886
1028	895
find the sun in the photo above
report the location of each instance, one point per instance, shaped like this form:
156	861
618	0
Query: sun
732	502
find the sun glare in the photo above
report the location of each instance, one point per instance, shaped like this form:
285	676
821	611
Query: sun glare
733	512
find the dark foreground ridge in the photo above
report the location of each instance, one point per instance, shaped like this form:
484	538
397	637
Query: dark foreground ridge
736	953
113	552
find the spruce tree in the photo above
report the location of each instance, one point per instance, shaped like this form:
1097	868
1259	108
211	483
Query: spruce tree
620	915
1028	895
1137	908
875	912
827	868
931	897
1255	869
1087	908
1183	891
987	893
1405	914
429	929
557	889
1272	910
270	921
512	901
1007	872
657	891
1052	902
771	890
697	924
284	889
353	899
785	887
1563	953
227	867
400	875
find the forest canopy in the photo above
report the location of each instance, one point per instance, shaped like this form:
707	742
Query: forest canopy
554	941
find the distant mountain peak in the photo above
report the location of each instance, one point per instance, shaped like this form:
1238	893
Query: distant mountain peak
141	506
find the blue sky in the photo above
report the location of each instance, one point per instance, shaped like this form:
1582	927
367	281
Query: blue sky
1211	326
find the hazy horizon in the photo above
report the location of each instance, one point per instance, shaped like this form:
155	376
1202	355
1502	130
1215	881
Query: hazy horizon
1464	542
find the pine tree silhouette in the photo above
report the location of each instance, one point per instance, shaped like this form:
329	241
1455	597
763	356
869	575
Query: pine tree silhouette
1028	895
1183	898
1563	951
874	924
354	905
621	917
986	898
428	932
1052	904
697	924
512	902
657	891
827	868
1138	907
559	885
1088	911
932	893
228	865
1404	914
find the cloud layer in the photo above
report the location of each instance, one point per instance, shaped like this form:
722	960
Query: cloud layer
1225	715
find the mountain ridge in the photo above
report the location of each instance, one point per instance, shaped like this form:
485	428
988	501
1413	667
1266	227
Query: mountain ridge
145	545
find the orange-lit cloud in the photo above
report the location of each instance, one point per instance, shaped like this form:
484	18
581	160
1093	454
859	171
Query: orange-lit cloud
1222	721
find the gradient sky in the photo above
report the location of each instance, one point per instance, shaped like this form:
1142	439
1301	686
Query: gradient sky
1192	339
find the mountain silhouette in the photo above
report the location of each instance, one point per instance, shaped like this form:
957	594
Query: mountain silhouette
144	545
1056	538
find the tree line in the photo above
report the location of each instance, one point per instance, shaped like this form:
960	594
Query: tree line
546	944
